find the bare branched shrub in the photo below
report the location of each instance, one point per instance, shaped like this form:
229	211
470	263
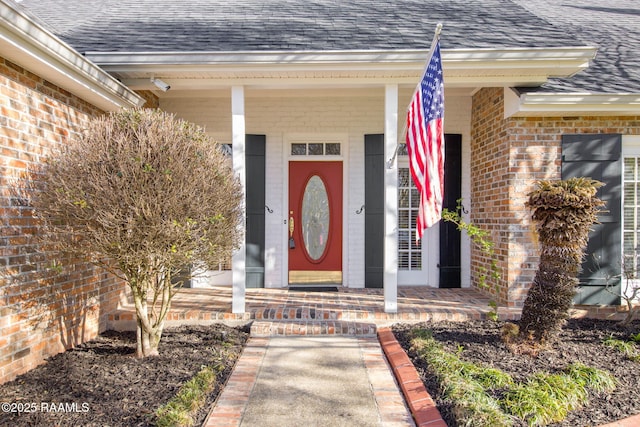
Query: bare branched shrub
564	212
143	195
629	292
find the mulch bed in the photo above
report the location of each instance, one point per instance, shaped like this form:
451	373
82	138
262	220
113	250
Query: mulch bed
101	383
580	341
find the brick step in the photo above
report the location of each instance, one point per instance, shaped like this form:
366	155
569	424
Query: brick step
316	314
261	328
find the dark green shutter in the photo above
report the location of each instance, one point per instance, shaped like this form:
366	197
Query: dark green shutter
374	210
255	209
599	156
449	234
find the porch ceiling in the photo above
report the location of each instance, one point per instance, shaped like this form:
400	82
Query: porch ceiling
465	69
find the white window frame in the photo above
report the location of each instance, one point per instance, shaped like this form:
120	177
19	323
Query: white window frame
428	275
630	148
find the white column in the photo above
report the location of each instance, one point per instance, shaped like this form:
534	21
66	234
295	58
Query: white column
238	260
390	277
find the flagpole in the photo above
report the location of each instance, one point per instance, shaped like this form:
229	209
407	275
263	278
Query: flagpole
434	42
436	37
433	214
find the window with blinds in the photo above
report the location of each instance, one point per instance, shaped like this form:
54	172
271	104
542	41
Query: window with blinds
631	216
409	252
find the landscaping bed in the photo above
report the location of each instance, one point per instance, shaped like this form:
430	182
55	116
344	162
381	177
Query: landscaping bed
582	340
101	382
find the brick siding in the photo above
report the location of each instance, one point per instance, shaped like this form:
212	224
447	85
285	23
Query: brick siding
151	99
508	157
41	312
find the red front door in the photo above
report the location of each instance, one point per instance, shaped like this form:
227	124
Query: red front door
315	222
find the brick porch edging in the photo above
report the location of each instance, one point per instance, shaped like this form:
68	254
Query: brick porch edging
633	421
227	411
423	408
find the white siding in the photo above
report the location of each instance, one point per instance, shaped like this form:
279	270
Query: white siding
281	115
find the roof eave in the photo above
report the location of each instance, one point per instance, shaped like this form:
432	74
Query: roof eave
527	66
29	45
570	104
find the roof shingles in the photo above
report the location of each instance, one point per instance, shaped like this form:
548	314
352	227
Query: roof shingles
220	25
255	25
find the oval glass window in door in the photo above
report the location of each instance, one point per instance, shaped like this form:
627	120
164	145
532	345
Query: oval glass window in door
315	217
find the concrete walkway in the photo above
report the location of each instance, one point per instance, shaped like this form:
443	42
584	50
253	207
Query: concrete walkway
311	381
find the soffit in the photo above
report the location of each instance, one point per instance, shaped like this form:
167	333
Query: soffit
463	68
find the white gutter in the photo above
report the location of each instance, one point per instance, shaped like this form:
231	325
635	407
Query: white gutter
31	46
454	58
553	104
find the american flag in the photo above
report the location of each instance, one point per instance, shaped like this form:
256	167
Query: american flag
425	142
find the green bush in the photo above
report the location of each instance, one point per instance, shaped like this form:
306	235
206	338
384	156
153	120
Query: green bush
193	394
464	384
628	348
544	399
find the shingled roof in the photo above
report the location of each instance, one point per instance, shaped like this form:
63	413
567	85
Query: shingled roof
612	26
321	25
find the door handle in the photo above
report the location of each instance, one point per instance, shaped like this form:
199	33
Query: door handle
292	243
291	224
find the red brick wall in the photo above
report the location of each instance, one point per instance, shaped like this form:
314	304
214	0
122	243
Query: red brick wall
489	181
507	157
151	99
41	313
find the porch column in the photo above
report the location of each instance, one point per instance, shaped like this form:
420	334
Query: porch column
238	140
390	278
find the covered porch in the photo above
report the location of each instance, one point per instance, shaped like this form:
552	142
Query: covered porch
272	107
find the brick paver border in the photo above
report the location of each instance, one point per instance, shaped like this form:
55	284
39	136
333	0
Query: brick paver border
423	408
227	411
633	421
